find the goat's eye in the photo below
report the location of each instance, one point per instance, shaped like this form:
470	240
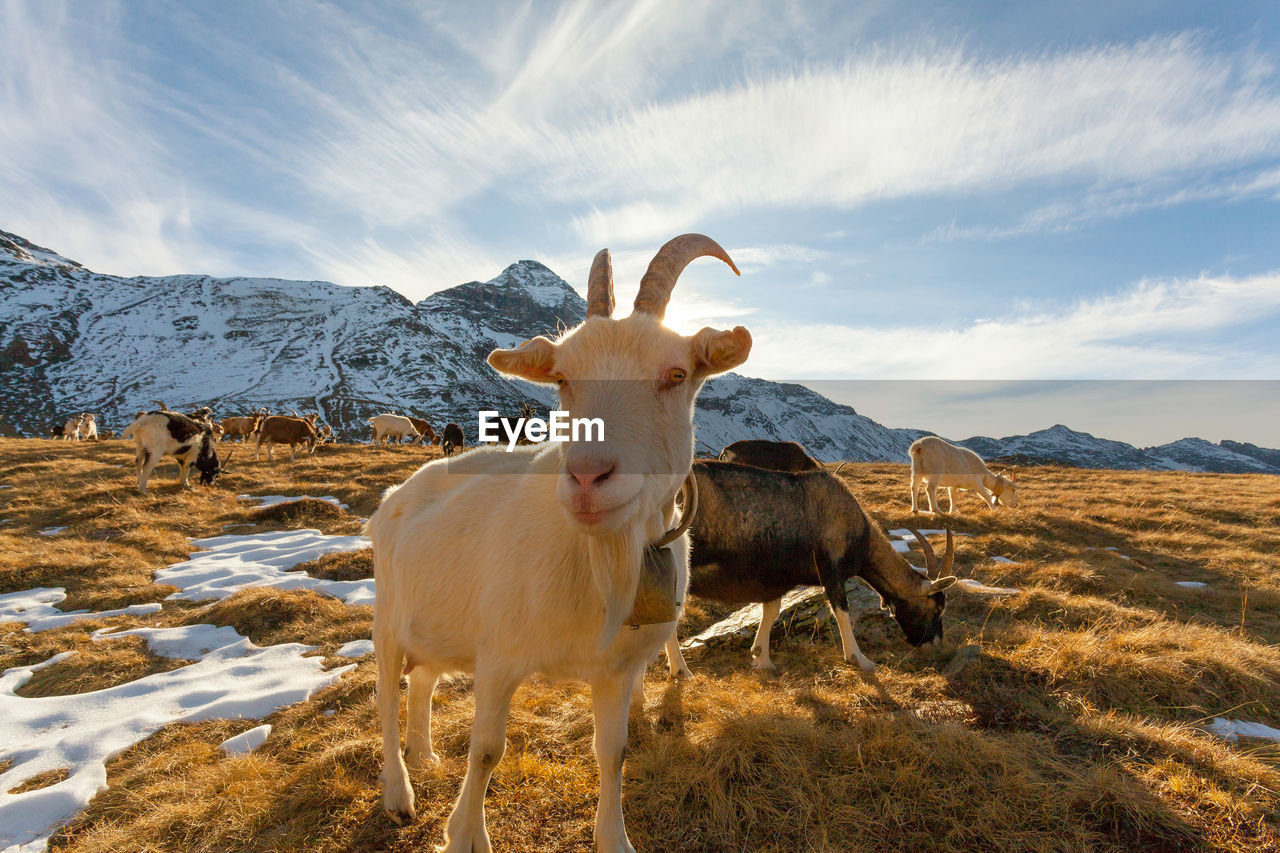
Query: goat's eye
561	382
674	377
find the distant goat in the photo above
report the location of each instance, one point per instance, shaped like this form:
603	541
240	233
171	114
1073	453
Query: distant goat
160	434
242	427
70	430
88	428
387	426
936	463
424	429
774	455
452	439
282	429
506	564
759	534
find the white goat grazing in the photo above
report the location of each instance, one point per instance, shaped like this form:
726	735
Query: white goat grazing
388	426
506	564
935	463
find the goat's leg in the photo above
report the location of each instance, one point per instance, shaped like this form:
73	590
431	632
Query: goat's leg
257	443
915	493
675	660
397	793
769	611
849	643
951	500
932	491
148	464
291	456
609	700
465	831
422	684
986	496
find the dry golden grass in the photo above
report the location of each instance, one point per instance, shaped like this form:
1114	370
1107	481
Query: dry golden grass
1076	729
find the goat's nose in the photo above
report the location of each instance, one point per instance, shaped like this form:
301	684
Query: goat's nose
591	471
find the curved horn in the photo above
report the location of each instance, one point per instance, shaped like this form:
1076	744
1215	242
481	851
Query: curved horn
930	559
600	286
838	467
666	266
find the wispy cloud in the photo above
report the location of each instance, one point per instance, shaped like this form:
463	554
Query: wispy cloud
1154	330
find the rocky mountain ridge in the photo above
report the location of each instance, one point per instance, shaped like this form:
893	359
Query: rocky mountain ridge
76	340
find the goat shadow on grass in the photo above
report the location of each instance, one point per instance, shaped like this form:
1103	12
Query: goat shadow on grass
736	785
1006	699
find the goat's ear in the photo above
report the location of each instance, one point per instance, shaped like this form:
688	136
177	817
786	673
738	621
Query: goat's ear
715	351
533	360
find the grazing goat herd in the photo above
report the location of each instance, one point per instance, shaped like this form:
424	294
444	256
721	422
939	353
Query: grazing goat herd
541	569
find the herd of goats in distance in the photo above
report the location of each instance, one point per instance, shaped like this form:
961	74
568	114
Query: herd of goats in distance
505	576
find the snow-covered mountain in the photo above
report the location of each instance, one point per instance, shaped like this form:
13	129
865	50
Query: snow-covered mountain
1059	444
75	340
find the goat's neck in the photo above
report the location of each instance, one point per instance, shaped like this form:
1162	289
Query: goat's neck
886	571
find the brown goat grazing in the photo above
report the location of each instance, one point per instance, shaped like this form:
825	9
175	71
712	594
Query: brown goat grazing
282	429
424	430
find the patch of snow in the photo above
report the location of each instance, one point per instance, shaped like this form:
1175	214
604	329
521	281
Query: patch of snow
328	712
246	742
273	500
1005	560
35	607
227	564
8	486
1191	584
234	680
355	649
1231	730
971	585
902	539
52	531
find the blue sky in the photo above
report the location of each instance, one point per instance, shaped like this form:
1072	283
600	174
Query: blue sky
982	191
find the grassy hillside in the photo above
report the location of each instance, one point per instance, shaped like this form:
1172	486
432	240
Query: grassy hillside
1080	726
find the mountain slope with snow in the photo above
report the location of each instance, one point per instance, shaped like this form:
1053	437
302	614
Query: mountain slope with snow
75	340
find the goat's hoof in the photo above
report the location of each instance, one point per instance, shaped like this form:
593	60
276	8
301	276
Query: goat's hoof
400	818
398	801
766	668
418	760
681	674
464	844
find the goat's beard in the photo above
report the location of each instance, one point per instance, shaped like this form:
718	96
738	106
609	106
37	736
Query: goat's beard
615	570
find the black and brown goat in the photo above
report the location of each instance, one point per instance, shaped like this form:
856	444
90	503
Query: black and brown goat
758	534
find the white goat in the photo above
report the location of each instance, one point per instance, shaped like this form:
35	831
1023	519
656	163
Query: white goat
88	428
388	426
935	463
505	564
